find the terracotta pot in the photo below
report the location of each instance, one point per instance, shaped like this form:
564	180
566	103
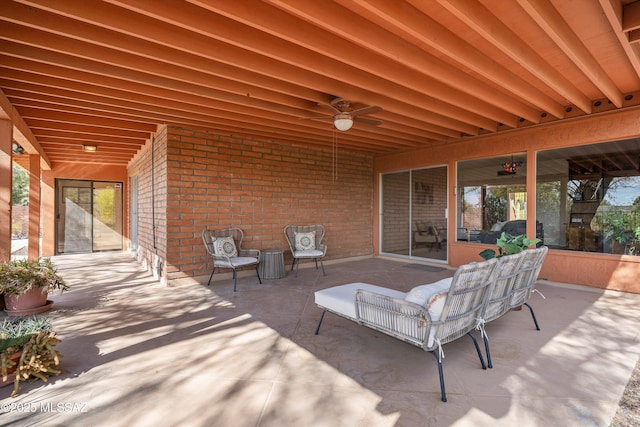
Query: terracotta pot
33	298
11	372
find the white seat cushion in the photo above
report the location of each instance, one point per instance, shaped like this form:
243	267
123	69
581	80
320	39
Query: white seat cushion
432	296
309	253
237	262
341	299
422	294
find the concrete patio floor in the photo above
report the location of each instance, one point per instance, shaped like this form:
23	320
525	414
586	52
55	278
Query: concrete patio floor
136	353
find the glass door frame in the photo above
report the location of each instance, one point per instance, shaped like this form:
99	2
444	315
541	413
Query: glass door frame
89	214
416	194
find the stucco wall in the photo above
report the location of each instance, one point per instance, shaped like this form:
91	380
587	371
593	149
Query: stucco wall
218	181
95	172
618	272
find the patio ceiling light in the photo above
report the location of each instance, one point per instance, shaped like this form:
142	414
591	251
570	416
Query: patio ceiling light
17	148
343	121
89	148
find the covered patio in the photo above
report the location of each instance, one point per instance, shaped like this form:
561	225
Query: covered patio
139	353
197	114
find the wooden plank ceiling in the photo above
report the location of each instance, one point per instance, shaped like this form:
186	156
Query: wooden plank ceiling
86	72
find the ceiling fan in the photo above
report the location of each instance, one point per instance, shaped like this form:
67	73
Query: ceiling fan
344	114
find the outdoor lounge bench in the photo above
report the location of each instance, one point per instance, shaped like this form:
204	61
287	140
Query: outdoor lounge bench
427	317
513	286
434	314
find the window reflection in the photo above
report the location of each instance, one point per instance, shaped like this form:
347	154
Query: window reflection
588	197
492	199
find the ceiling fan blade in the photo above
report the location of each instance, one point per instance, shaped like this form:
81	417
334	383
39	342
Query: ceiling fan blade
372	109
367	121
329	118
329	106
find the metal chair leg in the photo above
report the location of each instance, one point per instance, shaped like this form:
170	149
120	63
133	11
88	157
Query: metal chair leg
258	273
297	262
475	342
533	316
321	265
440	373
210	277
320	322
234	279
486	349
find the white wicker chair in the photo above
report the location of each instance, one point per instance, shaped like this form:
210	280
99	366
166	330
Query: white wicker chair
225	247
305	242
389	312
515	279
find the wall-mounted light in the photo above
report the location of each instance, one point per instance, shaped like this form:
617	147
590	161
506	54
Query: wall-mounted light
17	148
89	148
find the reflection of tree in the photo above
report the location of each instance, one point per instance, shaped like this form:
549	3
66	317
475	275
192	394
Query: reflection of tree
495	208
104	205
618	185
20	187
548	202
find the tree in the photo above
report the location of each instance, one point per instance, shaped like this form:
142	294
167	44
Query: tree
20	187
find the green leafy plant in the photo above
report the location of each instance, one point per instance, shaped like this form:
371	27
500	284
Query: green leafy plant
509	245
15	331
617	226
19	276
27	350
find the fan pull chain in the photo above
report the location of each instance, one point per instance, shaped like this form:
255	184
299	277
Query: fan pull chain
335	156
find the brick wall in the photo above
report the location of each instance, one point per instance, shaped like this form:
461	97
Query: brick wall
218	181
152	201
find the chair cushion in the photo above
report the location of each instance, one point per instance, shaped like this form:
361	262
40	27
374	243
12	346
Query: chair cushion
312	253
239	261
225	246
305	241
341	299
432	296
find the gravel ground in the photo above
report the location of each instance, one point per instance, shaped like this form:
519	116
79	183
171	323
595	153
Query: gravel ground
628	414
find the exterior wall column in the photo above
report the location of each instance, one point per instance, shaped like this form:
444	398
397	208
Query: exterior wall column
34	206
6	138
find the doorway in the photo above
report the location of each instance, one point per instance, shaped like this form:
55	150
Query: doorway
88	216
414	213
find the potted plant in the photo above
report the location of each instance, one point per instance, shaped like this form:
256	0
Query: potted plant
26	350
26	285
509	245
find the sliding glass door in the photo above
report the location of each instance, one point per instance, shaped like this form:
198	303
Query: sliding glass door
89	216
414	213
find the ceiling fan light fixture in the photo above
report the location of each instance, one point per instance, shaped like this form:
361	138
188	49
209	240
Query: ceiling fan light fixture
343	121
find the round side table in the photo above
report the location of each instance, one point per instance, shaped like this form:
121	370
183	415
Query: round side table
271	264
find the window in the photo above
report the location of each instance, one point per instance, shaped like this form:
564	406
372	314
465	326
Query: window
588	197
492	198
